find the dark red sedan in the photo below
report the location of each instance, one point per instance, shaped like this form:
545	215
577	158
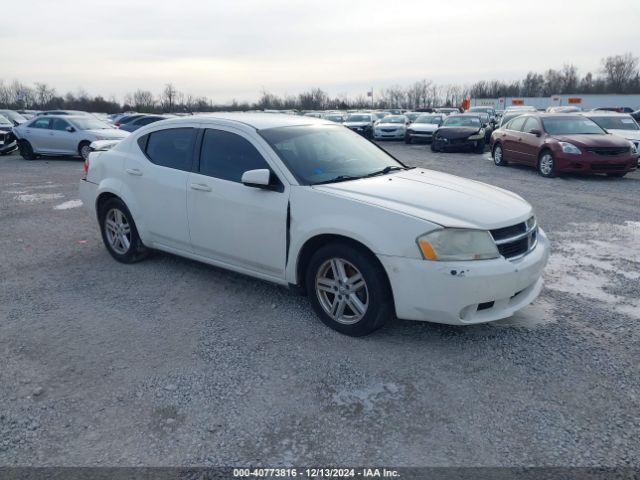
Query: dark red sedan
555	143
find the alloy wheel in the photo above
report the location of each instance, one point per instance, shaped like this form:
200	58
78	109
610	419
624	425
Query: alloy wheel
546	164
342	291
118	231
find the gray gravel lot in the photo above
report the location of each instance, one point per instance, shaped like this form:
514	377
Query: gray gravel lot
171	362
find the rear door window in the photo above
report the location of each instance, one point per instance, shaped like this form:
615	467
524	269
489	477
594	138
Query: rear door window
172	148
40	123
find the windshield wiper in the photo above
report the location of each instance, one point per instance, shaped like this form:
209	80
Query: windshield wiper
385	170
339	178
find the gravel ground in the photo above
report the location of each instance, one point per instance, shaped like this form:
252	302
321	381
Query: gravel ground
171	362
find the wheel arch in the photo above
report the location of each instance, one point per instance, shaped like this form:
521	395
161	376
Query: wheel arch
312	244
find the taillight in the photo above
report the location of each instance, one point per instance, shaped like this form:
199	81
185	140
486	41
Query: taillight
85	169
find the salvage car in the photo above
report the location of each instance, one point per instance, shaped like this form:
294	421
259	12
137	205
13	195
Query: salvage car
7	140
13	116
361	123
423	127
391	127
141	122
460	132
66	135
307	203
559	142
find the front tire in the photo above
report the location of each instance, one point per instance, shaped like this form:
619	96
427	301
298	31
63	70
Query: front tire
26	150
498	156
119	232
348	289
480	147
407	139
546	164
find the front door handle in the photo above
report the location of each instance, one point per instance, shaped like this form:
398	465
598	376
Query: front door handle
134	171
201	187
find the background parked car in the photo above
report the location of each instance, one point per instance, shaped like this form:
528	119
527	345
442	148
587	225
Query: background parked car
411	116
335	117
558	142
7	140
141	122
62	112
391	127
447	110
13	117
564	109
423	127
127	118
488	110
460	132
62	135
361	123
28	114
622	124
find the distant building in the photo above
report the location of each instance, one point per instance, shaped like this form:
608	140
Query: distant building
584	101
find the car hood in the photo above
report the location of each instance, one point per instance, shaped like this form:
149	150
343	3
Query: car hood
457	132
595	140
437	197
424	127
109	134
628	134
390	125
356	124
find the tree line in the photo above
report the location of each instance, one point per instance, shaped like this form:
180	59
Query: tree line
619	74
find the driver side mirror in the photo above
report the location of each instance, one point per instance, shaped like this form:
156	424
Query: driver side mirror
70	129
259	178
535	131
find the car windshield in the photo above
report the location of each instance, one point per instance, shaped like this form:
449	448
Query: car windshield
391	119
428	119
89	123
16	117
460	121
5	121
616	123
570	126
327	153
359	118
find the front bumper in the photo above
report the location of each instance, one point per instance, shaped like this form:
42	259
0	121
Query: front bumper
395	135
427	136
591	163
466	293
366	131
457	143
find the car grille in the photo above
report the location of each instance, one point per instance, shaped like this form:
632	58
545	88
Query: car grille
609	151
388	130
517	240
608	166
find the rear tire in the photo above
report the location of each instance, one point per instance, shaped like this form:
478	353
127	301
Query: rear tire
407	139
348	288
433	146
119	232
26	150
498	155
546	164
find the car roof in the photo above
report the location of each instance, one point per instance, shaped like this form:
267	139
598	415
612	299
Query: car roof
259	121
605	113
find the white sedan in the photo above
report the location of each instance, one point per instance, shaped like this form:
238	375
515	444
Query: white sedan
63	135
307	203
391	127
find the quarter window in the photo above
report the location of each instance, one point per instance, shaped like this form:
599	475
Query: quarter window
227	156
171	148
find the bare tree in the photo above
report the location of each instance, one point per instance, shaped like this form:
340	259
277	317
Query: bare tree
168	97
619	71
143	101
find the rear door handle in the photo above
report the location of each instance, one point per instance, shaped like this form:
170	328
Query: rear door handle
201	187
134	171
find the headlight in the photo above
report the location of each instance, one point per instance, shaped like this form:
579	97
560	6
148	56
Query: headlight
570	148
634	150
457	244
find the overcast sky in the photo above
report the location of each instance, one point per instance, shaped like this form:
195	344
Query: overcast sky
234	48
